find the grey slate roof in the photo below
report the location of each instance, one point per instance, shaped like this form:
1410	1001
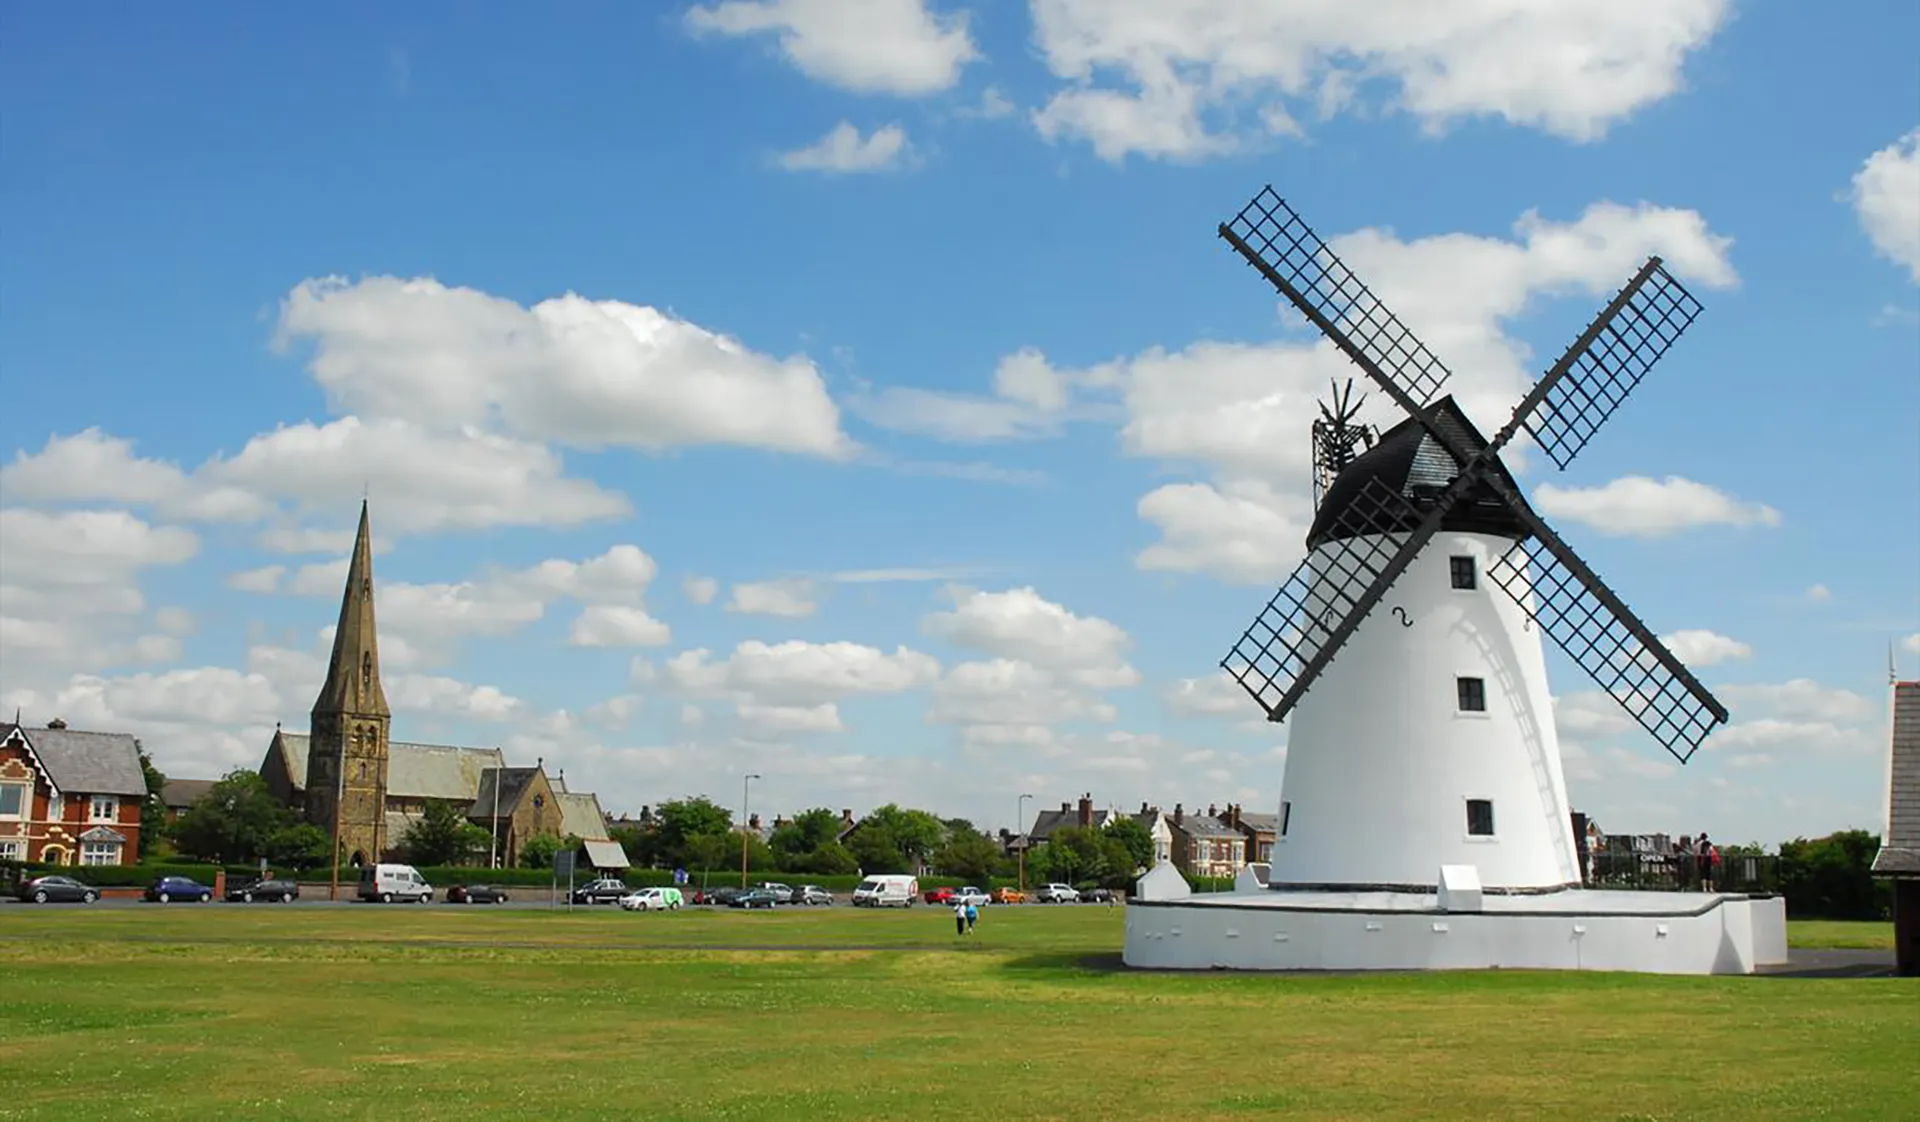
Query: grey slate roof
1264	823
1900	849
512	782
414	771
89	763
179	794
1201	826
1047	821
580	816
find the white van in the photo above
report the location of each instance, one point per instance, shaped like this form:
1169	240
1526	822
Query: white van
387	883
887	890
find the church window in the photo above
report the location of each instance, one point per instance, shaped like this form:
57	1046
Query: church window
363	771
1480	818
366	670
1472	693
1463	574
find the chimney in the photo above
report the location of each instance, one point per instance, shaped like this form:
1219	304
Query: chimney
56	723
846	816
1235	811
753	822
1179	813
1086	809
1213	811
1066	808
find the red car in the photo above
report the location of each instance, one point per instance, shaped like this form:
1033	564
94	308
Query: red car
939	896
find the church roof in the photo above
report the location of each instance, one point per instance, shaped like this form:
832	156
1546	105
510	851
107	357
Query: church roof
511	782
1900	851
1409	460
414	771
353	670
580	815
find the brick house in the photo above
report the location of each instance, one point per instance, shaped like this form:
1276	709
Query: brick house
179	794
69	797
1259	831
1086	816
1204	846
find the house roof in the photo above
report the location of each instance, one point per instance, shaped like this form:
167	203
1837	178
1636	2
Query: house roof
507	783
88	763
603	854
179	794
580	816
414	771
1047	821
1260	823
1900	850
1201	826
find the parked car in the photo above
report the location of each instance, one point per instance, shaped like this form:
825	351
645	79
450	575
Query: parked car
57	890
278	891
1098	896
941	895
812	894
886	890
722	896
1057	894
476	894
387	883
970	895
1009	896
753	898
782	893
652	900
606	890
168	889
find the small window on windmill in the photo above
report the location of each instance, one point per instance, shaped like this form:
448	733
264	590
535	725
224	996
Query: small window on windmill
1463	573
1286	815
1480	818
1473	694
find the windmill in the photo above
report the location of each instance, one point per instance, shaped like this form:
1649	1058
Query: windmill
1418	513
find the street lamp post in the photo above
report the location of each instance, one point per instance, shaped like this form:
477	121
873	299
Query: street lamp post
1020	823
745	782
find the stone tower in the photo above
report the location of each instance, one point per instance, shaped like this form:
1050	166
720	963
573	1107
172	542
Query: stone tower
347	754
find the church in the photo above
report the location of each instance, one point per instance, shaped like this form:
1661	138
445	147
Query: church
366	790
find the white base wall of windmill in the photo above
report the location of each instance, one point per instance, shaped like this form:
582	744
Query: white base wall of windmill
1382	761
1575	929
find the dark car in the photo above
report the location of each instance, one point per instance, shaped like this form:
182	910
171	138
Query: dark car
476	894
721	896
606	890
755	898
277	891
168	889
57	890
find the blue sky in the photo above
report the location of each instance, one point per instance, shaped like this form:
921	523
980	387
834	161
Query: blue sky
885	354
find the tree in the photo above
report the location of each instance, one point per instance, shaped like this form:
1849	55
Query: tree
1075	854
234	821
891	839
808	844
300	845
153	812
1135	837
831	859
443	836
537	851
967	855
1832	877
678	821
639	844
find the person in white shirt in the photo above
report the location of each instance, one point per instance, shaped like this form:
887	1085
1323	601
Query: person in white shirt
959	919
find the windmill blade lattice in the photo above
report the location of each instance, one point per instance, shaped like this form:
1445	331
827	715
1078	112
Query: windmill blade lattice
1276	241
1299	630
1611	645
1610	358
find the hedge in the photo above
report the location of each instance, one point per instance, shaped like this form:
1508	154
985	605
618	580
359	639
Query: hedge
123	876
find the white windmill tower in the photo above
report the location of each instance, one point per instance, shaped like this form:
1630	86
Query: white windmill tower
1423	772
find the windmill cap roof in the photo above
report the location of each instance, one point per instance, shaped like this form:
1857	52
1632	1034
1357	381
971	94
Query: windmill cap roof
1413	464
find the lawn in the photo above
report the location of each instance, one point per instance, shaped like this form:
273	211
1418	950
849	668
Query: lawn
396	1013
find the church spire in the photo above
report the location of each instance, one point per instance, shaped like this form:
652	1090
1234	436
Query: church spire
353	673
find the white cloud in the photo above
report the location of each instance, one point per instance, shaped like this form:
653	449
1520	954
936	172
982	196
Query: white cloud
590	373
1800	699
843	150
1241	531
797	673
1819	593
1698	648
899	47
1031	398
1214	696
1636	506
618	625
992	106
700	590
1022	625
91	466
790	599
1886	198
450	697
1912	642
1172	79
69	590
778	720
994	696
266	578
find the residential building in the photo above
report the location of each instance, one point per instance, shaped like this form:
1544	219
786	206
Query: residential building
69	797
1259	831
1085	815
176	795
1204	846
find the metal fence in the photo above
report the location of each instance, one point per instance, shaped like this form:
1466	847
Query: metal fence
1670	872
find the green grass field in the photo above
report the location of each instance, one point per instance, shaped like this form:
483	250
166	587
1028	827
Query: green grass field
400	1013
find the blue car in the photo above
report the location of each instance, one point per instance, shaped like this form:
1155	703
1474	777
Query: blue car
168	889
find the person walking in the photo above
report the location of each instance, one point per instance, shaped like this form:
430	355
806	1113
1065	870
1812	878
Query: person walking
960	919
973	913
